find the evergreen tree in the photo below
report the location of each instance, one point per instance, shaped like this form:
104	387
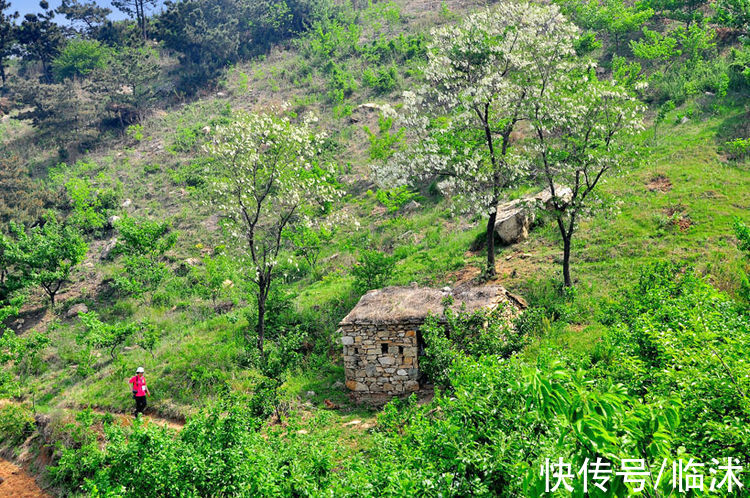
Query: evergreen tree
136	9
41	39
87	18
8	35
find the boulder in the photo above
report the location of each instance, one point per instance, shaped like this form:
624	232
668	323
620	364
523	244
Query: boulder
112	220
108	248
514	218
127	203
411	207
75	309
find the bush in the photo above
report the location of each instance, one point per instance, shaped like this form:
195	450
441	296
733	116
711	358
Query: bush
16	424
463	334
675	335
372	270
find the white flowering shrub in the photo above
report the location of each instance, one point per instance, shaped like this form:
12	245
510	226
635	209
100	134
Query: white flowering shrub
267	176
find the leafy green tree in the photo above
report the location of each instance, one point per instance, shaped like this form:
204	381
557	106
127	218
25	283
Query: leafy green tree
481	76
14	273
8	36
79	59
267	177
41	38
616	18
583	132
100	335
206	34
87	209
51	252
86	17
215	276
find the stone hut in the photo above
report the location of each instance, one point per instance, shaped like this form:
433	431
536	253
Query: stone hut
381	338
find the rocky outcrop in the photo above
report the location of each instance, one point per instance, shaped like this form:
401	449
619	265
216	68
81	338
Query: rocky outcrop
514	218
76	309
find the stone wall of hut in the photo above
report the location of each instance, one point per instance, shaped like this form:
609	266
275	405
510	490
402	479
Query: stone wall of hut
381	360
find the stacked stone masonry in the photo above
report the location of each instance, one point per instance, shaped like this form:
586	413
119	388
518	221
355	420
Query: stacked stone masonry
381	359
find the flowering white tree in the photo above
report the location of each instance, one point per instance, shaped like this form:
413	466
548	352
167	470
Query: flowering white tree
583	132
266	178
480	76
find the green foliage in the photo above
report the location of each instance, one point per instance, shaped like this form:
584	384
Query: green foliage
16	424
372	270
738	149
79	58
674	334
613	17
110	337
742	232
384	80
463	334
396	198
308	242
50	254
382	147
88	213
135	132
142	237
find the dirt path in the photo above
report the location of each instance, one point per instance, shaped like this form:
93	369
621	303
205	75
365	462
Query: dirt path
18	484
127	420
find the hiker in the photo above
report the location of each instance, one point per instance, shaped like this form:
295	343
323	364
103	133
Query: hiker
140	391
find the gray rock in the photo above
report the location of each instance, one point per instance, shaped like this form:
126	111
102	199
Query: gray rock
347	341
514	218
310	394
411	207
338	385
127	203
112	220
386	360
108	247
684	120
75	309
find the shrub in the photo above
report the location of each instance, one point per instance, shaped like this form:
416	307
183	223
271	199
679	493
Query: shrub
738	149
459	334
372	270
396	198
16	424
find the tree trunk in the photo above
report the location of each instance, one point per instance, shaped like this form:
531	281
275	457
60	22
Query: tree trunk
491	244
566	261
260	327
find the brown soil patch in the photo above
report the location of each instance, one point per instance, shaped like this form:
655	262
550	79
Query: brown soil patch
659	183
680	218
17	483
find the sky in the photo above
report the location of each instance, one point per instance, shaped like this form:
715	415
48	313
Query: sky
27	6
